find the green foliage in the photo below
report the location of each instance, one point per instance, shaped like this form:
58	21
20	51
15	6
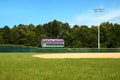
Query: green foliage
18	66
6	34
110	35
75	37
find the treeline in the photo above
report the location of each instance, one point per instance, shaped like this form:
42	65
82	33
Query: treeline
75	37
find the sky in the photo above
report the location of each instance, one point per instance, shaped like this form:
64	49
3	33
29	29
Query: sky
80	12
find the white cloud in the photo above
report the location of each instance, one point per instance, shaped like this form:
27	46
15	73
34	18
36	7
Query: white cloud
91	18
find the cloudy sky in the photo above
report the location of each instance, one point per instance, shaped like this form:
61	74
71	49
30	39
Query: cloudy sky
81	12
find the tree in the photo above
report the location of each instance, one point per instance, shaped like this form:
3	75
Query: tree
6	35
76	40
15	36
84	36
115	36
93	37
110	35
75	37
1	36
66	34
22	30
53	29
30	35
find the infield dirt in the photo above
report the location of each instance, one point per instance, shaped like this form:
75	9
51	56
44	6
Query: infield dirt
78	55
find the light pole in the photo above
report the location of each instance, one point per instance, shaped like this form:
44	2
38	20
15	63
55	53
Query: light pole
98	10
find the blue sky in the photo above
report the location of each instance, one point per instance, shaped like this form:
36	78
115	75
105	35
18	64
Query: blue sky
14	12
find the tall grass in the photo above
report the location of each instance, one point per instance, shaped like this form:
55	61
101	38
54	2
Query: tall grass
22	66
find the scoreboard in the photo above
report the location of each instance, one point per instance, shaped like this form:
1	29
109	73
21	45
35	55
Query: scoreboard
52	43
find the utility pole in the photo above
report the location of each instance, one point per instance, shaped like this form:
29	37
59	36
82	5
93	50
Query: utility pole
98	10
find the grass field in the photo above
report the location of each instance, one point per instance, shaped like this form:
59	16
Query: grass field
22	66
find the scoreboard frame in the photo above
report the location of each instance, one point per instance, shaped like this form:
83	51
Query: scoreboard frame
52	43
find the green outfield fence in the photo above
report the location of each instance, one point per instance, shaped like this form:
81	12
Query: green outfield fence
12	48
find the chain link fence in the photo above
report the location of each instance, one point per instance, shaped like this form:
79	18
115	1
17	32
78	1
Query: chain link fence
10	48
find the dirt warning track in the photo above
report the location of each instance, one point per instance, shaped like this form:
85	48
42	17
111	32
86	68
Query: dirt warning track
78	55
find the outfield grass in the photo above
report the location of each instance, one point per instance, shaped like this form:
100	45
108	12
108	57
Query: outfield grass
22	66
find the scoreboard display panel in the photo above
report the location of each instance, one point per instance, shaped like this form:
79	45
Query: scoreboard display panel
52	43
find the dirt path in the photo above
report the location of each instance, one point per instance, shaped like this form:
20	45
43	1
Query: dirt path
79	55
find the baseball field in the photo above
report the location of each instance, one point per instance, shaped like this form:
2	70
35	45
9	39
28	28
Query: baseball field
67	66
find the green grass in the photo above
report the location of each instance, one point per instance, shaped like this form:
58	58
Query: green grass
22	66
